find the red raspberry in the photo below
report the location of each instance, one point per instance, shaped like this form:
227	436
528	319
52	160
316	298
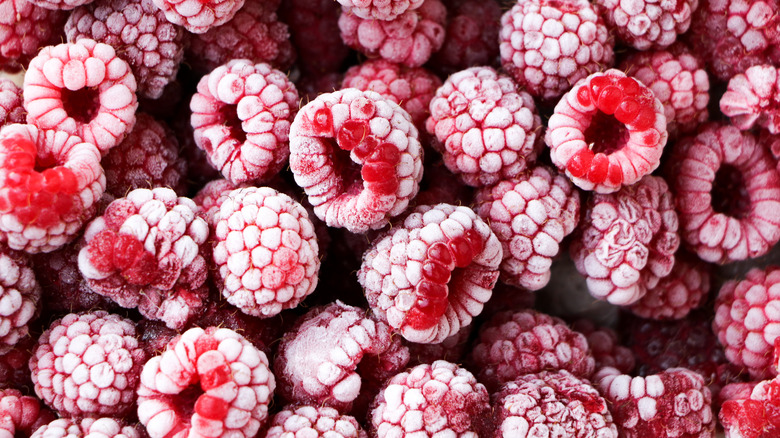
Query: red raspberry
644	24
383	10
377	174
408	39
753	97
241	115
551	404
530	214
471	36
675	295
211	196
88	428
83	89
11	109
727	192
198	16
304	421
25	27
486	128
627	240
20	294
21	415
548	45
210	382
429	276
148	251
678	79
314	31
754	416
138	30
607	131
88	364
674	403
49	184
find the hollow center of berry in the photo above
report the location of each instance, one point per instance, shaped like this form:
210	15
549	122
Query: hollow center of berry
184	402
344	167
229	115
605	134
729	194
82	105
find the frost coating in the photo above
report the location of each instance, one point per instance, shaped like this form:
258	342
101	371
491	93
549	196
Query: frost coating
304	421
678	293
753	98
88	428
198	16
11	109
25	27
385	10
20	294
21	415
645	24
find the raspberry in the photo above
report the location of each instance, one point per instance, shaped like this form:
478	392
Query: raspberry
438	399
59	6
241	115
20	294
148	157
138	30
674	403
24	28
675	295
262	333
753	97
552	404
513	343
486	128
210	382
21	415
148	251
530	214
88	428
49	184
14	372
754	416
429	276
380	10
627	240
83	89
678	79
313	422
605	347
11	109
607	131
647	25
88	364
199	16
314	31
727	193
376	176
471	36
548	45
408	39
265	250
211	196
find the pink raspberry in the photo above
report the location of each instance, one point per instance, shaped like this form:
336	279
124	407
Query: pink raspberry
314	31
21	415
241	115
604	345
88	428
25	27
49	184
381	10
471	36
727	193
486	128
753	97
551	404
530	214
548	45
627	240
684	289
379	170
607	131
20	294
83	89
430	275
148	250
11	109
678	79
211	196
407	39
674	403
438	399
644	24
198	16
210	382
754	416
138	30
88	364
302	421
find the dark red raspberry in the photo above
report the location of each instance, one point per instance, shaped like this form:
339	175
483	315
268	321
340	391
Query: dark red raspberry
262	333
383	10
607	131
20	296
198	16
88	428
471	36
684	289
21	415
11	109
440	186
451	349
753	98
314	31
507	297
25	27
644	24
604	345
313	422
14	372
756	414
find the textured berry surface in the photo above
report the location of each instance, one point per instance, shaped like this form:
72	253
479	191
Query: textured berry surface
198	16
21	415
58	6
211	196
471	36
104	427
384	10
304	421
20	296
674	296
754	416
753	98
11	109
607	131
605	346
25	27
645	24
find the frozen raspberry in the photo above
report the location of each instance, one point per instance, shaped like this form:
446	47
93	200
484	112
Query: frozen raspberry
241	115
210	382
262	333
678	79
304	421
357	156
141	35
198	16
754	416
607	131
438	399
88	364
471	36
25	27
513	343
675	295
212	195
732	35
486	128
645	24
530	214
148	251
674	403
627	240
548	45
14	372
381	10
314	31
430	275
753	97
11	109
451	349
255	34
727	193
83	89
407	39
88	428
20	294
49	184
21	415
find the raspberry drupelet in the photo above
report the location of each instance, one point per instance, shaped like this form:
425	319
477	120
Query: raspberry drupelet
548	45
21	415
727	192
644	24
383	10
241	117
753	98
50	182
471	36
84	89
11	109
149	250
20	295
674	296
358	158
25	27
609	130
305	421
88	428
755	415
198	16
486	129
212	195
530	214
207	382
